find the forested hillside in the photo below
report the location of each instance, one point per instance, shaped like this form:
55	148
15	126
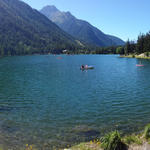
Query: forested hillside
24	30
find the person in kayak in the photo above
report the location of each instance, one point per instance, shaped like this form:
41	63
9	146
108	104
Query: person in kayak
86	66
82	66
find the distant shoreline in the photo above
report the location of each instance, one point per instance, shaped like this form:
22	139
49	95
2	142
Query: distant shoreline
141	56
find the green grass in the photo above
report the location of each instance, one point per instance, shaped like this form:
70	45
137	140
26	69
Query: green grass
132	139
125	56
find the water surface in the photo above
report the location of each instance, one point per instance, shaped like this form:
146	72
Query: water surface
49	102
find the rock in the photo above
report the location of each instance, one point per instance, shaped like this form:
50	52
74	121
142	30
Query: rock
144	146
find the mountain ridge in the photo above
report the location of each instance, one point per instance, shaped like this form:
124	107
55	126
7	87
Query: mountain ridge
80	29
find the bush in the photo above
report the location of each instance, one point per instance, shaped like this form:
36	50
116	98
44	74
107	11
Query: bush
112	141
147	132
147	54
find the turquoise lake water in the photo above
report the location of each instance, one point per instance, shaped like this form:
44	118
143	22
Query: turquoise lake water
48	101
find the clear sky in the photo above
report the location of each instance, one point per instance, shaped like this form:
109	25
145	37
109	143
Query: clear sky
122	18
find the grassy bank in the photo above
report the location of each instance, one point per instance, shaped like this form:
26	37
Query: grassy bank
114	141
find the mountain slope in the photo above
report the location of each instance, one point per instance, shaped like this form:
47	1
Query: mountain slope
79	28
116	39
25	30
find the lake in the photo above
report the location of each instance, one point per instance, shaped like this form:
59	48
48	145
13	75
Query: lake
47	101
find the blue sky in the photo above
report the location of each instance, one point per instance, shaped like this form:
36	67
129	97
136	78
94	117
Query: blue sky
122	18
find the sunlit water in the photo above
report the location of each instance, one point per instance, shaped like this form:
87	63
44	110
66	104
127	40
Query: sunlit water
49	102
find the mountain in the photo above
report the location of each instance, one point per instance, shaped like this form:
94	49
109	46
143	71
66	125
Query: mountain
79	28
116	40
25	30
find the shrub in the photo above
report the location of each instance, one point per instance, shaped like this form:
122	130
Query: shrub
147	132
147	54
112	141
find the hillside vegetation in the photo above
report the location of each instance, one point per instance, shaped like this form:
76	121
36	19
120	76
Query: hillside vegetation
24	30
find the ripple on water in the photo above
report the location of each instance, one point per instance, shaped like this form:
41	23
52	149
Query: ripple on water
52	103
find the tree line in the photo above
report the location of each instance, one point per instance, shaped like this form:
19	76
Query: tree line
141	46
